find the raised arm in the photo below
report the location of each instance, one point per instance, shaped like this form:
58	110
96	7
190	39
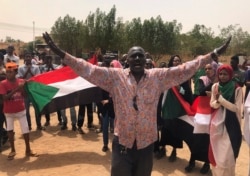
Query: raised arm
173	76
99	76
53	46
220	50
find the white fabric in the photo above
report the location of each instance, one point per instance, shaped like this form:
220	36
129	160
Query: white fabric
201	123
21	117
164	97
217	171
71	85
220	142
188	119
246	129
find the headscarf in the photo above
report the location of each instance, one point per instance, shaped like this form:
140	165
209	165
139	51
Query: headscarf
226	89
116	64
208	80
214	67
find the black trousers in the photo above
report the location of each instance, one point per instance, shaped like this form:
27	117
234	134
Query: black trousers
81	115
131	162
59	117
3	133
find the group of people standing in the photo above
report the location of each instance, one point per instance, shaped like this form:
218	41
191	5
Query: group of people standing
16	75
213	130
208	120
133	94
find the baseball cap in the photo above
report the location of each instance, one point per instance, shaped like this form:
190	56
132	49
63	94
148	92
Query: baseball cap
11	66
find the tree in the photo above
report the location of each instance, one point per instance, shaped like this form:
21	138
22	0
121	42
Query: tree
120	41
100	30
67	32
133	32
199	40
240	38
29	46
160	38
103	30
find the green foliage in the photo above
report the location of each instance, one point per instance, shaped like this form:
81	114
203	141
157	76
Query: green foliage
100	30
240	40
158	37
29	47
67	32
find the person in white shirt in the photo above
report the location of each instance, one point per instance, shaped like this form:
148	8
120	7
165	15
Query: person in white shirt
26	71
10	56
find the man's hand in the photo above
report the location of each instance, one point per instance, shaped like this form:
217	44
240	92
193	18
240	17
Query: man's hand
221	49
52	45
104	102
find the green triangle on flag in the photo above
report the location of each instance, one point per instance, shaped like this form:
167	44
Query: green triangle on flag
36	94
174	104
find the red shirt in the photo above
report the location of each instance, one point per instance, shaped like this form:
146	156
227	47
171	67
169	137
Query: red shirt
16	102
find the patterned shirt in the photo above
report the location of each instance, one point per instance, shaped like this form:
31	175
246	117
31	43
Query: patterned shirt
132	125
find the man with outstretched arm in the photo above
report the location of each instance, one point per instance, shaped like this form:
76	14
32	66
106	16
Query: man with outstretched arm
135	92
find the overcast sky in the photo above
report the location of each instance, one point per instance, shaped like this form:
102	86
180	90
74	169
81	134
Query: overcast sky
18	17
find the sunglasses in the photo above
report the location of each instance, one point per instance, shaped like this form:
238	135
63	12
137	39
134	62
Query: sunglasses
139	55
135	103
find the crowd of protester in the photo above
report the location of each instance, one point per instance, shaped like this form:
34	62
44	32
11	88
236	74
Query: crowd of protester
217	85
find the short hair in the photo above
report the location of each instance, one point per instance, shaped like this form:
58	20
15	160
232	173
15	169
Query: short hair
27	53
11	47
235	58
1	56
138	49
48	57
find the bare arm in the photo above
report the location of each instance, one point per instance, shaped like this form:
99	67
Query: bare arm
8	95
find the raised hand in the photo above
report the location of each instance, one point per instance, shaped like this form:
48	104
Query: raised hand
52	45
221	49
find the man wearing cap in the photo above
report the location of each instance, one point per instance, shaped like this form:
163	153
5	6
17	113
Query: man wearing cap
12	92
135	92
10	56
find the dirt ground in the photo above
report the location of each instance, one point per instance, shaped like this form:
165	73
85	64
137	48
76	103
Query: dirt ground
67	153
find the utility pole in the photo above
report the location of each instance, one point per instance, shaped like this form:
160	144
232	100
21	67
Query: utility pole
33	35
